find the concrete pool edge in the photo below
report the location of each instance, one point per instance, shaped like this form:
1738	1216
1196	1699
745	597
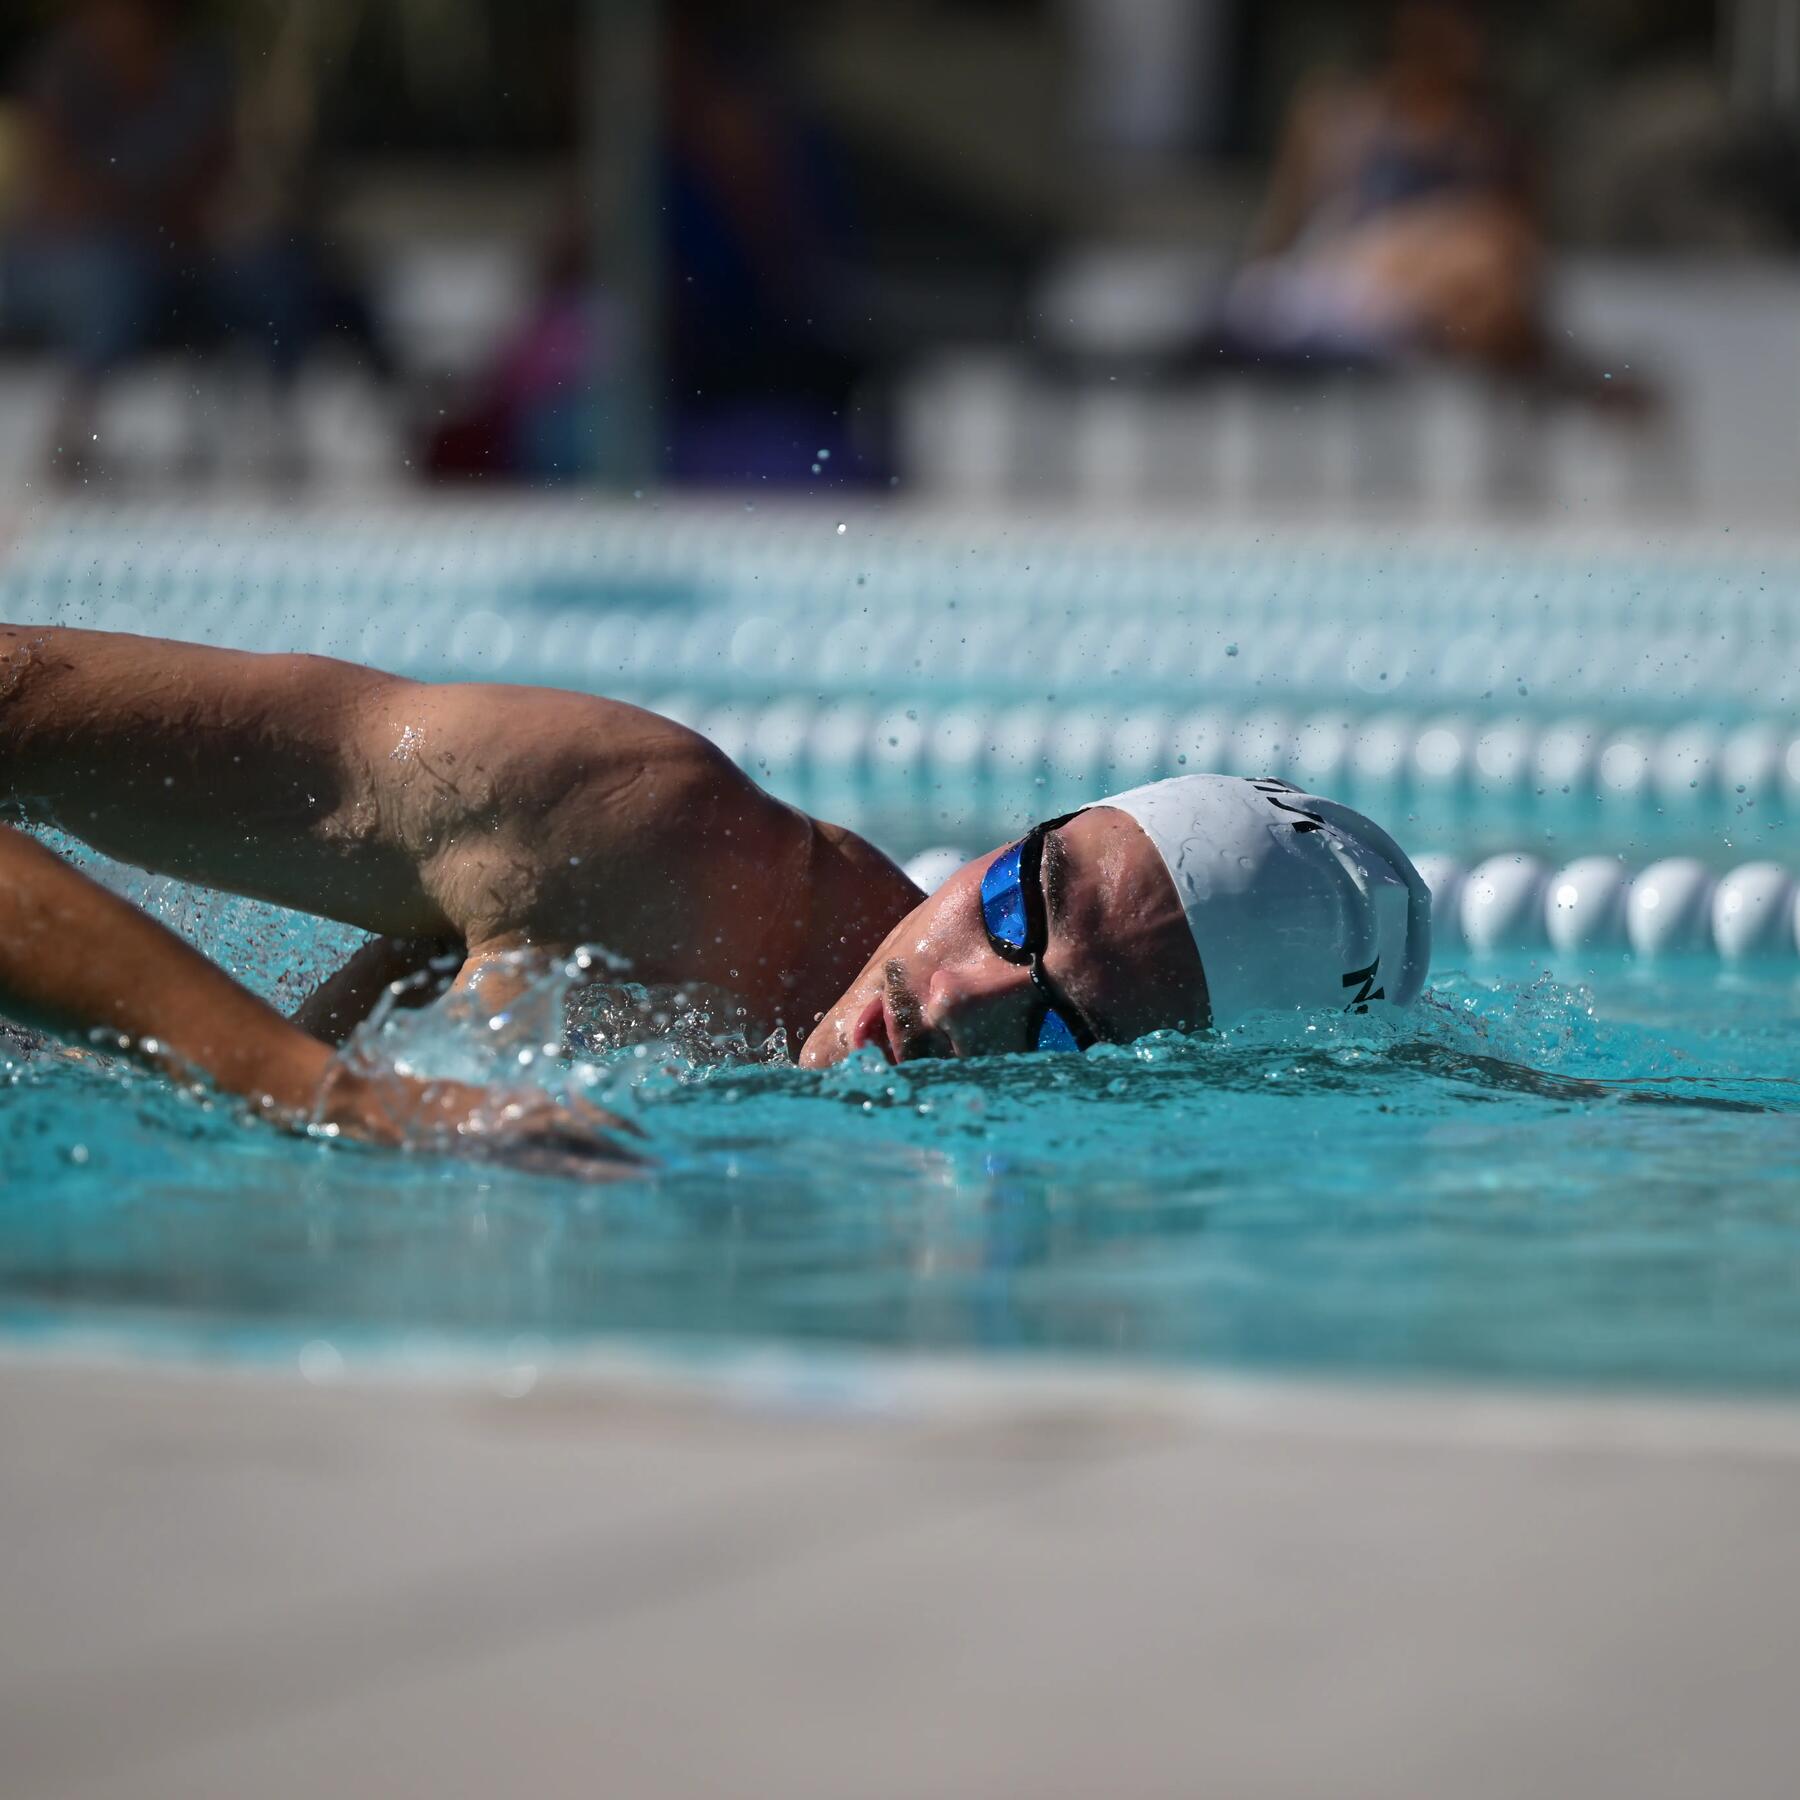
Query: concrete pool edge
232	1580
854	1387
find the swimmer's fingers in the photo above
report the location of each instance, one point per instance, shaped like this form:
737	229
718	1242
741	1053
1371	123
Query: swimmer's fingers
573	1158
527	1128
524	1129
583	1114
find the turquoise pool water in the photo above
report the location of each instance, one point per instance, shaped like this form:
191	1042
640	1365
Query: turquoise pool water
1579	1167
1531	1178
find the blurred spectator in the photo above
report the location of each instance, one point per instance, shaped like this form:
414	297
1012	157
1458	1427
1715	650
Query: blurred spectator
762	243
537	412
758	254
1398	216
128	155
1152	79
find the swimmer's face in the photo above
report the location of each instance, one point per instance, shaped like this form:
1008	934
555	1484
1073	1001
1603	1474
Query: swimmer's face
1120	957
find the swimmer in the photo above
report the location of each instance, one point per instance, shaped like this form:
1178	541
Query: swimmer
82	964
490	823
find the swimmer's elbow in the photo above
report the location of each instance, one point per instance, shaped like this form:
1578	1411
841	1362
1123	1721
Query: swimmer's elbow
20	666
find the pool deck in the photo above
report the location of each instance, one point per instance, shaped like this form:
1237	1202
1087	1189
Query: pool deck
928	1582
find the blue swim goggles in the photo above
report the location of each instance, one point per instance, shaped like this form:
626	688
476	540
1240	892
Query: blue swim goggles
1018	931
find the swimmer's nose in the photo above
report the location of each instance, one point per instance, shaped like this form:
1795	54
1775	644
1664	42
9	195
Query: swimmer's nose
981	1007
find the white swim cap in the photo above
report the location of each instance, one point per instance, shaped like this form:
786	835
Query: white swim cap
1294	902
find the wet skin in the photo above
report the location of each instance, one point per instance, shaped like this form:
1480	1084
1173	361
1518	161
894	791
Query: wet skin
481	821
1120	954
82	964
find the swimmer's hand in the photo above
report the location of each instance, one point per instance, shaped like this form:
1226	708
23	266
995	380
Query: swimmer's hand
523	1128
83	964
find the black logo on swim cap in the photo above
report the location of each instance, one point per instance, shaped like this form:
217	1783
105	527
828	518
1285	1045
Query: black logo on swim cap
1270	789
1359	1001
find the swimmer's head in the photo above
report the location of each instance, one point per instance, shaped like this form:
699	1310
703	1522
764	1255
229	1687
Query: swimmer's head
1195	902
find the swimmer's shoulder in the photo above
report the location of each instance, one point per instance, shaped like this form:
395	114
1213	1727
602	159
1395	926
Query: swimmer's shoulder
528	747
850	861
566	775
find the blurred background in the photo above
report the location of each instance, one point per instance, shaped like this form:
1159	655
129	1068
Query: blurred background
1247	375
1187	253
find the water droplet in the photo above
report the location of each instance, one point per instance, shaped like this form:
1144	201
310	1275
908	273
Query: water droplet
1231	649
842	528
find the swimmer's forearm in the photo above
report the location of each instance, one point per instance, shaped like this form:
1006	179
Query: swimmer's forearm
346	998
78	961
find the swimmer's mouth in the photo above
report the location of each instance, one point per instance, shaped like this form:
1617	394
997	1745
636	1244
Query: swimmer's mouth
875	1025
880	1023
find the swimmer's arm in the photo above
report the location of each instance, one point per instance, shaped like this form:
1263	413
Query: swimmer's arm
1293	179
81	963
479	813
243	772
342	1001
78	961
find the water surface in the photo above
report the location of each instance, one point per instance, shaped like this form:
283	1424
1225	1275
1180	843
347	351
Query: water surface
1585	1174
